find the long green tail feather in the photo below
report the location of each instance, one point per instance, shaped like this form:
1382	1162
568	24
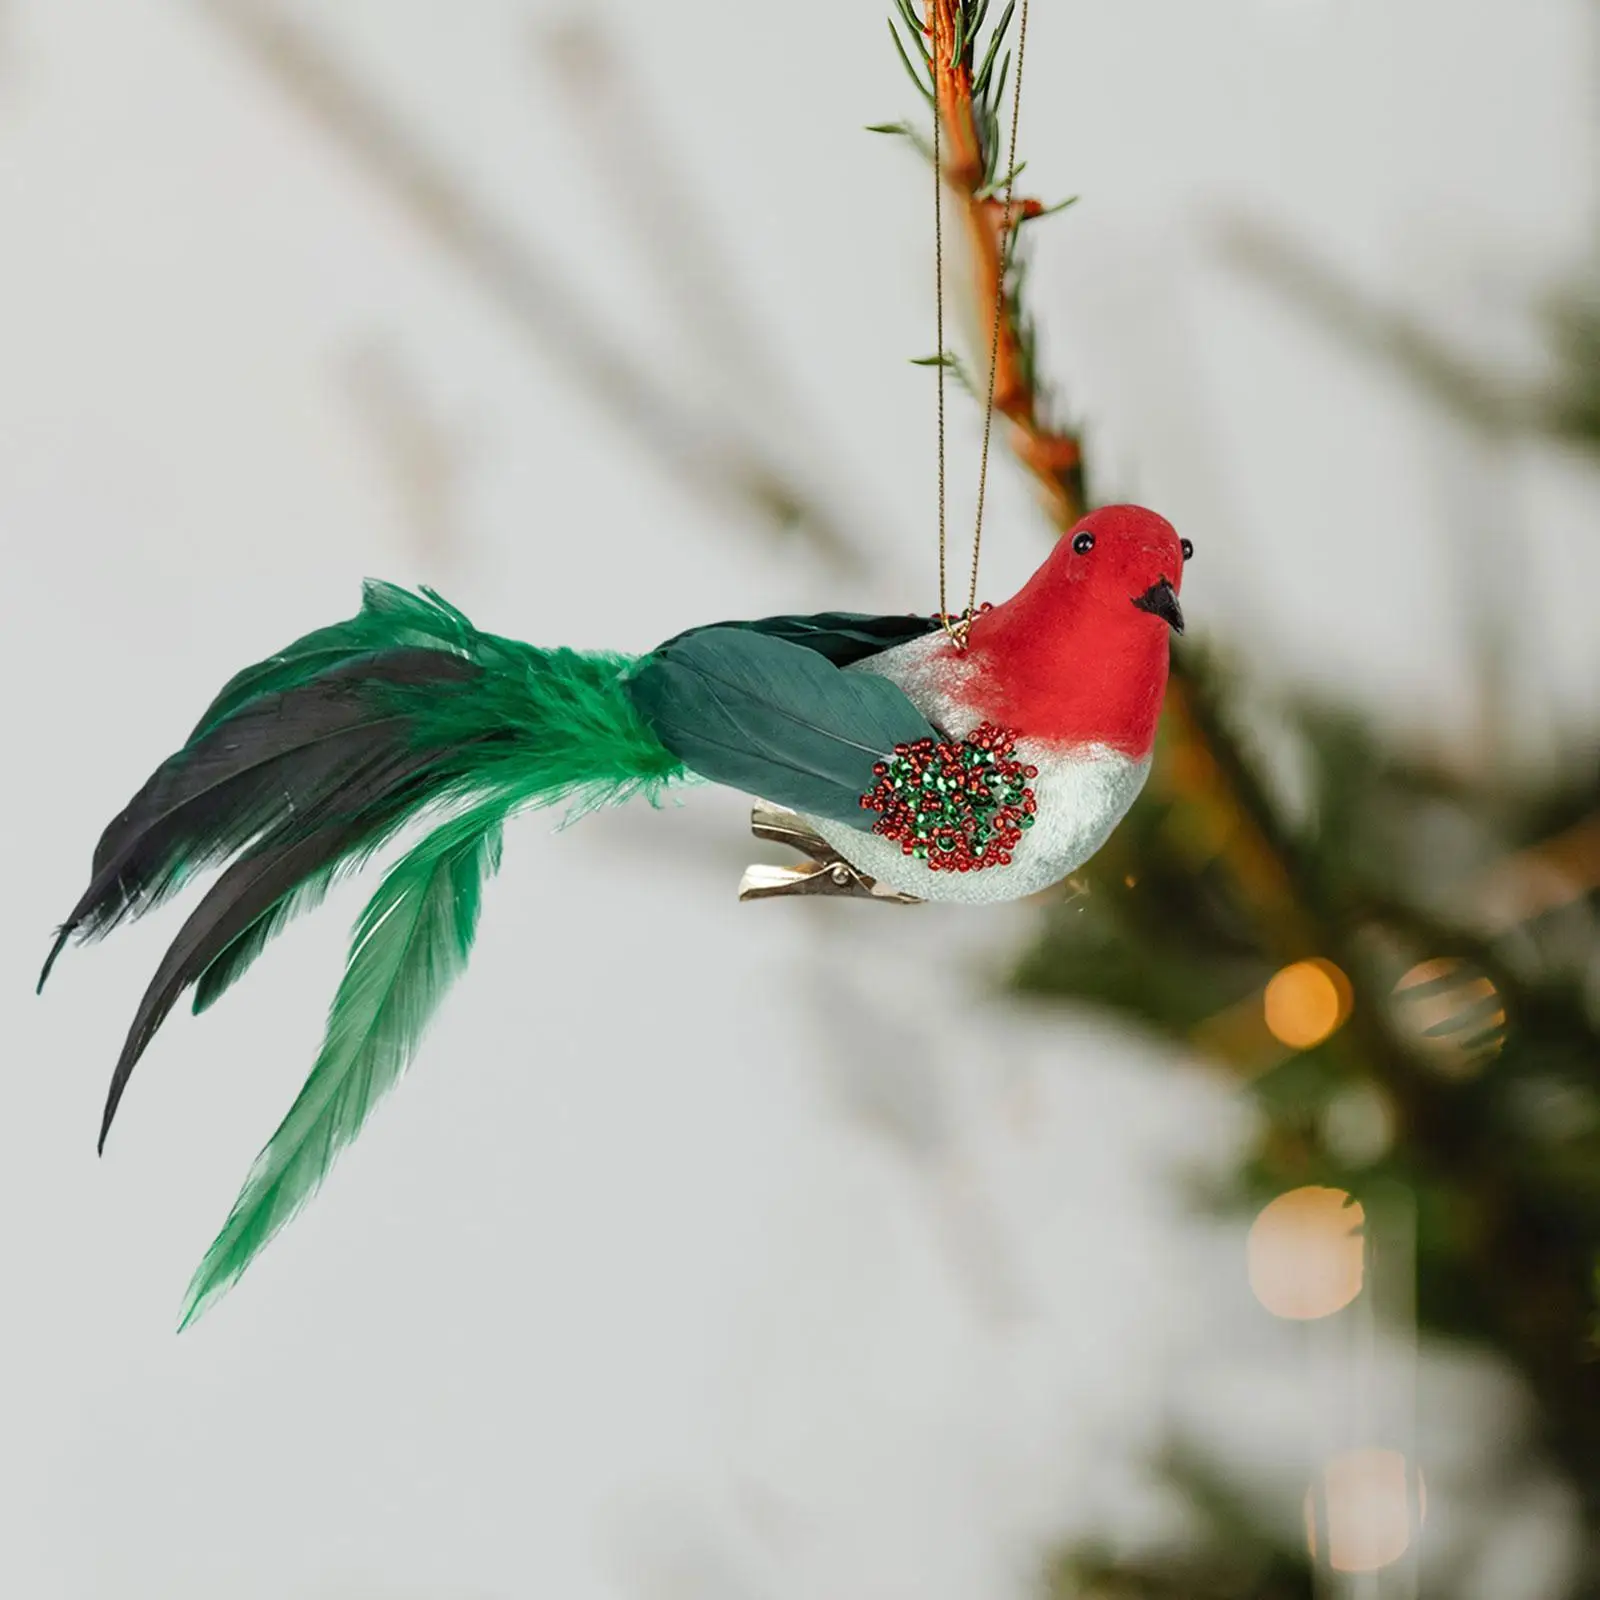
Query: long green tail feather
235	961
390	618
300	769
537	728
410	943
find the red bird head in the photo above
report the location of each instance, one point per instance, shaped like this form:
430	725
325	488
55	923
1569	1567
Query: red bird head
1079	655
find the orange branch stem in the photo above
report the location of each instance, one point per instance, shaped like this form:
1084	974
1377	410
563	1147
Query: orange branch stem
1054	457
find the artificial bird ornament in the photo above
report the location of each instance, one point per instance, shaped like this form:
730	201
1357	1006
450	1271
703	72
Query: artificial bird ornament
974	763
976	758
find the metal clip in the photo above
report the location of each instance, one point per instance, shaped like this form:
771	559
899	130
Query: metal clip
828	873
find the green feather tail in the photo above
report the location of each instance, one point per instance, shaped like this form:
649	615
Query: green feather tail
227	969
409	945
531	728
300	769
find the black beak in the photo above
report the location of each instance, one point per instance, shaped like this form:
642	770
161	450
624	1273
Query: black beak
1161	600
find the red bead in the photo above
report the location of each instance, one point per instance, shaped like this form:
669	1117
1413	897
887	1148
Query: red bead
956	820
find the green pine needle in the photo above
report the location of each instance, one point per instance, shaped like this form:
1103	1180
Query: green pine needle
1050	211
952	364
992	190
905	131
911	71
980	81
912	21
959	43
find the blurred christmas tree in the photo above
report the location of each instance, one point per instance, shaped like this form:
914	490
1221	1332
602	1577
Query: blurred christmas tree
1395	956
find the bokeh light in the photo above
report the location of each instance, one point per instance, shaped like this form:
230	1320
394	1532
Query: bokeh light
1452	1013
1306	1253
1358	1124
1305	1003
1365	1510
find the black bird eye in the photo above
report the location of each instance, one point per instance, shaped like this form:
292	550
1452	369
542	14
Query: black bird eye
1083	544
1187	546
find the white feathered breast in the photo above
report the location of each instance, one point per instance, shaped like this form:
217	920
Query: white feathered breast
1082	792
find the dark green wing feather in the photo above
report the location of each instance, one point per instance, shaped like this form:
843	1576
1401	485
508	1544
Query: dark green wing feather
842	637
773	718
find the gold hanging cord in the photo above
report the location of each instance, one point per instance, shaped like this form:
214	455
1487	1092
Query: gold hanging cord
958	627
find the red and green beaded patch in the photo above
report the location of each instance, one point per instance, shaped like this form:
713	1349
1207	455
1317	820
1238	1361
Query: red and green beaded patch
958	807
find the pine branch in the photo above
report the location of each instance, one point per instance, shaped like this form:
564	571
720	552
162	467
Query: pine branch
968	89
969	101
969	106
1270	893
1510	1210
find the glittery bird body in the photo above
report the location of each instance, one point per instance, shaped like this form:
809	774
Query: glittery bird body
1074	669
972	773
1081	790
